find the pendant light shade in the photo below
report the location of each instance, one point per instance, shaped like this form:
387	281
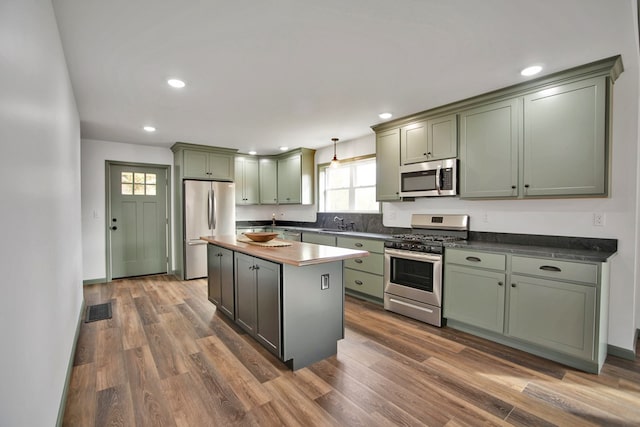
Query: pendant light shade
334	162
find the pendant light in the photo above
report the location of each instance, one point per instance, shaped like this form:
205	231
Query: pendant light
334	162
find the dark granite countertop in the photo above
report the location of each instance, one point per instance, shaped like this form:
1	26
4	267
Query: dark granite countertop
560	247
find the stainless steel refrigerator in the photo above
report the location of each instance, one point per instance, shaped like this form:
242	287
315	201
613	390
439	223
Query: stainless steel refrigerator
209	210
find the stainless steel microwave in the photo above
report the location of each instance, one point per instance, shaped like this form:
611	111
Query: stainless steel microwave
428	179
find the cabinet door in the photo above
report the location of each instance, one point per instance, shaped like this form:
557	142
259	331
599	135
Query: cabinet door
220	166
196	164
268	181
475	297
442	137
247	181
565	140
557	315
489	150
290	180
268	304
245	292
413	143
388	165
213	273
227	301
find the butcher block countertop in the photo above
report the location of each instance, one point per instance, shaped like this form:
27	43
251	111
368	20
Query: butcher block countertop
297	254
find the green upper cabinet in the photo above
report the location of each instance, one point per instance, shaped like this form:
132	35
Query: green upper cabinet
296	177
387	165
203	162
247	181
430	139
565	139
489	150
268	181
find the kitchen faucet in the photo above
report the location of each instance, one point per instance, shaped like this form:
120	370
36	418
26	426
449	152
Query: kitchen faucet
341	220
273	219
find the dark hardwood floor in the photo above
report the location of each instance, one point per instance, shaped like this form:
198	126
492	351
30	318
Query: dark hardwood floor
166	358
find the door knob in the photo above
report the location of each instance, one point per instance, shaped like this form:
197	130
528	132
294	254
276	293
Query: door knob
114	228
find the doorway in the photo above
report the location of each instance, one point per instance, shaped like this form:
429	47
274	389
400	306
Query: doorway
137	219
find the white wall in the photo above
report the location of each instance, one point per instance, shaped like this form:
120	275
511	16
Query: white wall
40	249
94	156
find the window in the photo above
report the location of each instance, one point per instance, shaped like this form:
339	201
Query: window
138	184
351	187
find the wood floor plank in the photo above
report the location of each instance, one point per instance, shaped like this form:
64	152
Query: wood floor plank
82	392
151	406
114	407
110	368
167	357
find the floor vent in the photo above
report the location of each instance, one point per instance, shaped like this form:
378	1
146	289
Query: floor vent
98	312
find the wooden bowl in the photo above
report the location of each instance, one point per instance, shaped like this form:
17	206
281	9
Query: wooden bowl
262	236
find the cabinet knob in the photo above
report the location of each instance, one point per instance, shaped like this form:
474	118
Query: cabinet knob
358	245
513	187
114	228
526	186
500	283
513	285
358	282
358	261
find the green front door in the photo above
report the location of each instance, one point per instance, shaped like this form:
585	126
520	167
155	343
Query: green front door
137	220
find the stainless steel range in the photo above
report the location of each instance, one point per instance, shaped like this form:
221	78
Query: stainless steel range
413	266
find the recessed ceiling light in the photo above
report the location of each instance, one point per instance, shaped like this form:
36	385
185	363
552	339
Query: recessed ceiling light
176	83
283	148
385	116
149	128
253	153
530	71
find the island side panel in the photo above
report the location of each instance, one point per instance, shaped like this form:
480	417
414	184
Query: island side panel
312	318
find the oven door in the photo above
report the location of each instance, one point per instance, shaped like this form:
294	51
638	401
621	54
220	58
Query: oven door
414	275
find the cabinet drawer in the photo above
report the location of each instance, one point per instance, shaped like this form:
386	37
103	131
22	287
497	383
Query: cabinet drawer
374	263
475	259
366	283
319	239
554	269
362	244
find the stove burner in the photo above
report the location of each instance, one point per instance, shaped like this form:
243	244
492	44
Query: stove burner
425	238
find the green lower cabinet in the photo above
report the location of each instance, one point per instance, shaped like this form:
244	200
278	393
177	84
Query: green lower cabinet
556	315
364	283
475	296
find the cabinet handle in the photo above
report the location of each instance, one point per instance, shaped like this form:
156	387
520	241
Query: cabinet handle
358	261
526	186
473	259
358	282
358	245
550	268
513	187
256	267
513	285
500	283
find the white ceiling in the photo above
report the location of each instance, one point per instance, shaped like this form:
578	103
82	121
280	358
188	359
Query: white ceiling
261	74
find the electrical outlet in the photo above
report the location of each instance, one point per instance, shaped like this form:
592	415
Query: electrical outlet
324	282
598	219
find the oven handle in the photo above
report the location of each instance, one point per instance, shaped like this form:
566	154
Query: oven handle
438	178
417	256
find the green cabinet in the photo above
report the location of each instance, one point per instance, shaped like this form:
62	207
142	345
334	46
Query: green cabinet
258	299
247	181
557	315
429	139
553	308
565	140
268	181
220	279
388	165
208	165
475	296
489	150
290	180
364	277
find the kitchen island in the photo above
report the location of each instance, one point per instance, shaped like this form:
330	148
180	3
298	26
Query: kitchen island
289	298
